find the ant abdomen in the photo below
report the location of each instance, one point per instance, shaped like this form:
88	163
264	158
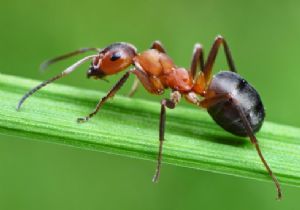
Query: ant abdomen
225	113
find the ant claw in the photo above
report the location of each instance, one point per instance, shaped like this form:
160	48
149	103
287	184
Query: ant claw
155	179
82	119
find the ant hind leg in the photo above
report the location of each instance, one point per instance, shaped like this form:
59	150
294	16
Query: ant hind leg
255	143
208	102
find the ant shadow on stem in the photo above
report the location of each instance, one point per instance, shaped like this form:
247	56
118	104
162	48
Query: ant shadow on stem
219	138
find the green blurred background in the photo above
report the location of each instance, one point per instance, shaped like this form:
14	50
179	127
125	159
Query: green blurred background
264	39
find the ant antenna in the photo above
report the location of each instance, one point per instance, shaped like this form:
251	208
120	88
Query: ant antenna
62	74
47	63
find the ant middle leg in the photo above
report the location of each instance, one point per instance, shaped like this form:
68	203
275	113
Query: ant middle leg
198	59
158	46
214	51
110	94
212	57
202	81
169	103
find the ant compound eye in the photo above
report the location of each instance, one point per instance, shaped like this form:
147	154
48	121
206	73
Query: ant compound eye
115	56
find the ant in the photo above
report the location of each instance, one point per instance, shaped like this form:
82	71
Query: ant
230	100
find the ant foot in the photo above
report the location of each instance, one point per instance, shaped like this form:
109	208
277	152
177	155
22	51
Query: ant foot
82	119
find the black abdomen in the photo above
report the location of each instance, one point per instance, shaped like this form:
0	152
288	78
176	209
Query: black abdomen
225	113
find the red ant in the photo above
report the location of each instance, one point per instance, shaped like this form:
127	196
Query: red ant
230	100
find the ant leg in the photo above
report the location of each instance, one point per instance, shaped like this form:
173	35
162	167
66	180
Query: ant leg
175	97
143	78
110	94
46	63
146	81
158	46
206	102
212	57
219	98
134	87
155	45
205	75
198	58
255	143
62	74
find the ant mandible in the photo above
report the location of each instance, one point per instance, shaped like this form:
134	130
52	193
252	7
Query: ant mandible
230	100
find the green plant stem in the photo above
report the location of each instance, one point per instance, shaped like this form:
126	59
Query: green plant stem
129	127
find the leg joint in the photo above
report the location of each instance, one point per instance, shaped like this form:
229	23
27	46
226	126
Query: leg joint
168	103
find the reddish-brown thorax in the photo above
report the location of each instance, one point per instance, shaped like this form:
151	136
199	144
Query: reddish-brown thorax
162	72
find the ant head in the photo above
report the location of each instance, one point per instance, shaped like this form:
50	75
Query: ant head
112	60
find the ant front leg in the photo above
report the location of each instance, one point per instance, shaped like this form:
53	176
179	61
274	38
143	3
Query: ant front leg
110	94
175	97
134	87
146	82
157	45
